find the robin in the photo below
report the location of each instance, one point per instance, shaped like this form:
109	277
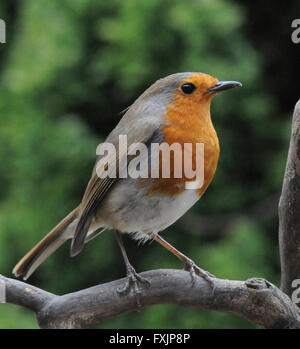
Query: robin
175	109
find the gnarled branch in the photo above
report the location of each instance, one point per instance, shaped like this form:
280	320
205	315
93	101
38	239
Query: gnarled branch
255	299
289	211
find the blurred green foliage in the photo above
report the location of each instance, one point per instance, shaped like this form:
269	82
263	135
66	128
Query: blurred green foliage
67	71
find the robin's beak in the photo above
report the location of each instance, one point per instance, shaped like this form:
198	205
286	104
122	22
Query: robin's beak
223	85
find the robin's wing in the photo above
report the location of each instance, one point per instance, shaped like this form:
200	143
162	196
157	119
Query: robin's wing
98	187
95	191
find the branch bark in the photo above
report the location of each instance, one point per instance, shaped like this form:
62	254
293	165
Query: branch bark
255	299
289	211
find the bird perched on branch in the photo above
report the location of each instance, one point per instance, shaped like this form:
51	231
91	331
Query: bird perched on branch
174	110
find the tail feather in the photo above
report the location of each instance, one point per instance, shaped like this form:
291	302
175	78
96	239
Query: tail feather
79	239
94	233
51	242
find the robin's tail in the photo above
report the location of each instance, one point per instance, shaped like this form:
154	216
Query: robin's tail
51	242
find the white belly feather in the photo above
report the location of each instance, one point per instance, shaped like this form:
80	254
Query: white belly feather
129	209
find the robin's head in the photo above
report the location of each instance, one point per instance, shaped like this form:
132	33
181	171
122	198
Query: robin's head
185	87
199	87
187	94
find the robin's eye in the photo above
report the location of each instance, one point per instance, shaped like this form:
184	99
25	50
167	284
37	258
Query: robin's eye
188	88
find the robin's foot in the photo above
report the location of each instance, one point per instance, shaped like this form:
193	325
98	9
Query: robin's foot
133	279
195	270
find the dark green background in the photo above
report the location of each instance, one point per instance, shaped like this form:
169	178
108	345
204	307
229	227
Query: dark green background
68	69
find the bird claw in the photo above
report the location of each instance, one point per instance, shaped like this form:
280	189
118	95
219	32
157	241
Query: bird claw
195	270
132	280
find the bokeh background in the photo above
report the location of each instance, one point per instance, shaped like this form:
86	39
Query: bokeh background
67	71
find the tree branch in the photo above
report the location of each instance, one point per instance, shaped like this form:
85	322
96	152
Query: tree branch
25	295
255	299
289	211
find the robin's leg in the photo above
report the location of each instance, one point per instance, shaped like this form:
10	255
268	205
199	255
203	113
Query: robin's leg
133	278
189	264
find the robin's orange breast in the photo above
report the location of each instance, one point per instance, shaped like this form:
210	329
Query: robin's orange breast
188	122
